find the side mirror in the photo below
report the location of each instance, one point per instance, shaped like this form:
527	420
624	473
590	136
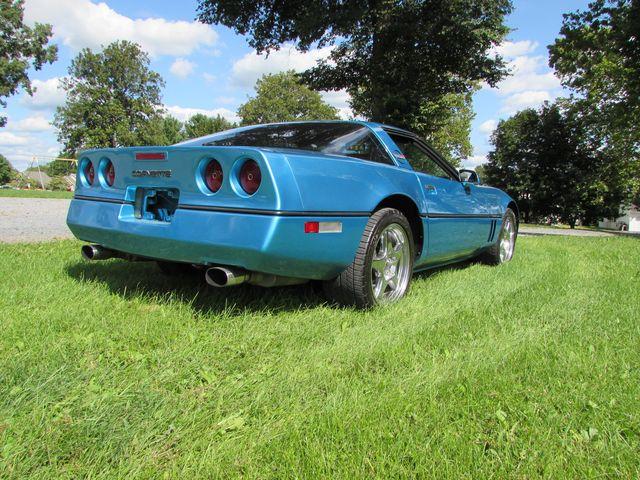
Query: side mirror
469	176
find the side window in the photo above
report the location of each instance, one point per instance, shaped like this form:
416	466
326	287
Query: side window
419	159
366	148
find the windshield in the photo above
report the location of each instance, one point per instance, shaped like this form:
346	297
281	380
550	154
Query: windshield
348	139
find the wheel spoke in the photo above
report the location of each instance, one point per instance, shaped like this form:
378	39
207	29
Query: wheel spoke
380	287
378	265
389	243
392	283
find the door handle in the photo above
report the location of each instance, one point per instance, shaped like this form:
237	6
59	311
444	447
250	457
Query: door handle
431	189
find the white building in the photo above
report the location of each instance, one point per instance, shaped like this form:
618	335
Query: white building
629	221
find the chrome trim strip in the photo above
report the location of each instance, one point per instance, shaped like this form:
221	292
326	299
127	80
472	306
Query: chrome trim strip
460	215
277	213
100	199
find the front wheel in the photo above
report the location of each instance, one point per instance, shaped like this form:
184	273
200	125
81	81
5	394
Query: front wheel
382	269
502	251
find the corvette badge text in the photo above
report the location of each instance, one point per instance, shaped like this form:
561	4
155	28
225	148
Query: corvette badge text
151	173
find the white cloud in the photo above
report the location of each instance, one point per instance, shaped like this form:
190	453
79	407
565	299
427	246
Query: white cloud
252	66
340	100
530	82
488	127
474	161
209	78
82	23
528	73
523	100
514	49
182	67
8	139
48	94
185	113
225	100
35	123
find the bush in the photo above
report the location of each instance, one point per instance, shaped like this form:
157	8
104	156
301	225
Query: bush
58	184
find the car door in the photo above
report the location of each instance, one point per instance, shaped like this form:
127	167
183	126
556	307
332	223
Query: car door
458	221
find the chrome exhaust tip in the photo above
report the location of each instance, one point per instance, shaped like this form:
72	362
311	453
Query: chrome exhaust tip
96	252
225	277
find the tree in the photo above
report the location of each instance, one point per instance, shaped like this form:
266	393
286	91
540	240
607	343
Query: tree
391	57
597	56
544	159
163	130
200	125
7	173
173	130
59	168
282	97
21	47
112	97
446	125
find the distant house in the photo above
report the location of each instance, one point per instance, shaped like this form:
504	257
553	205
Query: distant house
629	221
35	179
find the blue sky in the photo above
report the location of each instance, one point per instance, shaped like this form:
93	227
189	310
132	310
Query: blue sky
212	70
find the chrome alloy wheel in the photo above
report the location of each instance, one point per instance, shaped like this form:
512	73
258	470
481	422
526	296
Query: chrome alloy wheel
507	240
391	264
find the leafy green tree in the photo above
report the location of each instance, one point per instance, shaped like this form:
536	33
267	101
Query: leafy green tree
112	97
446	125
163	130
173	130
545	160
392	57
58	183
597	56
21	47
59	168
7	172
282	97
200	125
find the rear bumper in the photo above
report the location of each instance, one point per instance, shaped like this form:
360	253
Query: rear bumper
273	244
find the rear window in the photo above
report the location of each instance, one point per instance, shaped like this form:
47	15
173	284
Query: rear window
347	139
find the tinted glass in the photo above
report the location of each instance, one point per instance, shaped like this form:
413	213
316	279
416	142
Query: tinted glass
419	159
347	139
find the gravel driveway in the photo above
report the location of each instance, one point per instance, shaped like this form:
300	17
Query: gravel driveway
41	219
33	219
526	230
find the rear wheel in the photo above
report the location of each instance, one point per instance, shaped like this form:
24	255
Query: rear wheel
382	269
502	251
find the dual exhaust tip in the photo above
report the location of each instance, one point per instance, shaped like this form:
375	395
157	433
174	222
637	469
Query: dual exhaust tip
97	252
218	277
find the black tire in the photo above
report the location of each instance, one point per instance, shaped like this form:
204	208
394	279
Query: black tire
353	287
491	256
175	269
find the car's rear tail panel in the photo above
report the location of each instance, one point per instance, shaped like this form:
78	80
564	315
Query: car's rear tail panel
159	206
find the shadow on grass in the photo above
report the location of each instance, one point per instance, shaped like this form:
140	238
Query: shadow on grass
132	280
145	280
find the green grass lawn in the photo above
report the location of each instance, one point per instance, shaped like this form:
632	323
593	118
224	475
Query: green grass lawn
527	370
34	194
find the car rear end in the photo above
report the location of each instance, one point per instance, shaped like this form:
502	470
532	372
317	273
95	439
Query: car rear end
229	206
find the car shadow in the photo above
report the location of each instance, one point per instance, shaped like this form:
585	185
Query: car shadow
132	280
463	265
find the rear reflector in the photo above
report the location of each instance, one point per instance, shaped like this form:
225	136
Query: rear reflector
322	227
311	227
150	156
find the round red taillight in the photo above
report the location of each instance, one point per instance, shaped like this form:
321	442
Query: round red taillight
110	174
89	173
213	176
250	177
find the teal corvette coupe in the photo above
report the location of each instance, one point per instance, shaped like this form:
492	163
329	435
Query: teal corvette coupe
358	206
